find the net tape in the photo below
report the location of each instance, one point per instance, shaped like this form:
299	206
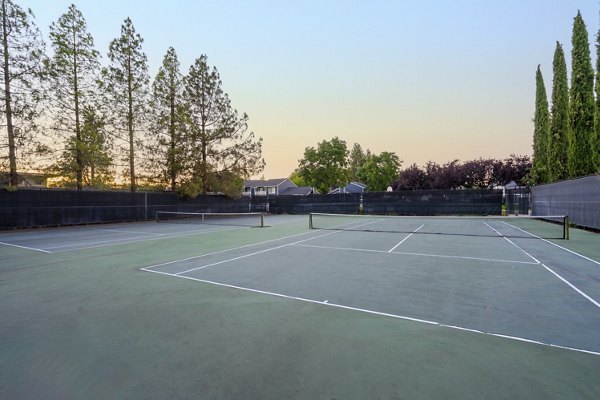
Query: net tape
253	219
541	227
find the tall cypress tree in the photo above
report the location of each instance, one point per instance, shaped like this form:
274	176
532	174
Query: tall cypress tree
582	104
596	147
559	122
541	131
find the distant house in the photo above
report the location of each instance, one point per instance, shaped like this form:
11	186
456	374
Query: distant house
275	187
351	187
26	180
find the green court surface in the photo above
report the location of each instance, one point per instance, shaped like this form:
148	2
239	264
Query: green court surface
189	311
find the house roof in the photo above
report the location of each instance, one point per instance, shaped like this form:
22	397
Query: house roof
263	182
356	184
298	190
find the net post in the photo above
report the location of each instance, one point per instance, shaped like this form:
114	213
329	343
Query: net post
262	220
566	228
310	221
156	216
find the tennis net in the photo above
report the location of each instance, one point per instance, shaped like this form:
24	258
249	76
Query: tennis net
228	219
541	227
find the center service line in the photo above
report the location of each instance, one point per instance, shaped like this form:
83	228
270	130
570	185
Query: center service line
402	241
264	251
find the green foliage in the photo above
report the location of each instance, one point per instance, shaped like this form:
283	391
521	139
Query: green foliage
582	105
94	151
73	84
227	183
167	149
380	171
217	140
22	55
125	83
596	139
356	160
541	133
189	188
326	166
559	122
297	179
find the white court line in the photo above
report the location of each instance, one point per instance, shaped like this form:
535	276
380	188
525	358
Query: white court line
402	241
416	254
127	231
583	294
590	299
511	242
253	254
226	250
572	252
554	244
25	247
116	242
266	250
402	317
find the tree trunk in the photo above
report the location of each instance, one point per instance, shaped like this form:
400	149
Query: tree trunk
78	157
172	134
12	151
130	127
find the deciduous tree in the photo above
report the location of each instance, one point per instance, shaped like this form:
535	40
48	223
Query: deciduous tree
379	171
326	166
411	178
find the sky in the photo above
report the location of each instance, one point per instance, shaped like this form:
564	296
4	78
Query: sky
431	80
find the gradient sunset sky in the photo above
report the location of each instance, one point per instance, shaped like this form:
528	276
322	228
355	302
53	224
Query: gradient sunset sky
428	80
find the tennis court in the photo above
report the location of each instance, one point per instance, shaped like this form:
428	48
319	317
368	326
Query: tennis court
357	307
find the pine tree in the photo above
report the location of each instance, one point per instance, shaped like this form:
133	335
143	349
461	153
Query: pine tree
21	53
94	151
220	146
73	76
167	149
541	132
582	104
559	118
356	159
125	82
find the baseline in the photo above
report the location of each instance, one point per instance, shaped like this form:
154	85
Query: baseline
25	247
